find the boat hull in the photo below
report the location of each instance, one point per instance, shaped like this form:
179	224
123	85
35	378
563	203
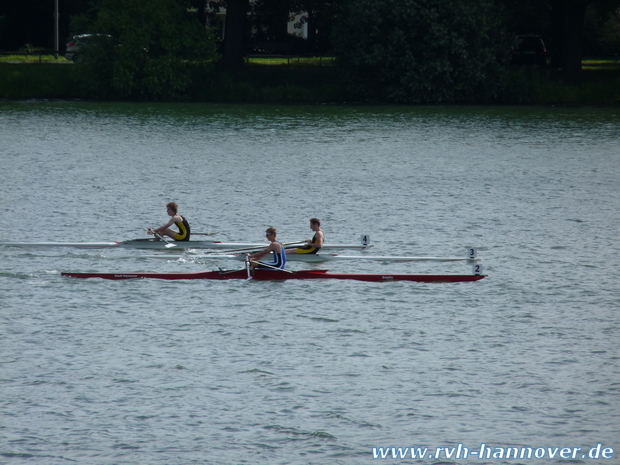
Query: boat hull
81	245
320	258
275	275
153	244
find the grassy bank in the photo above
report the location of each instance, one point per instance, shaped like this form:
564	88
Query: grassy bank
314	81
34	80
255	83
597	84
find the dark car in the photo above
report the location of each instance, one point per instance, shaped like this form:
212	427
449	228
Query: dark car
530	50
77	44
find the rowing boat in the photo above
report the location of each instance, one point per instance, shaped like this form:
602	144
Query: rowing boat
84	245
320	258
157	244
274	275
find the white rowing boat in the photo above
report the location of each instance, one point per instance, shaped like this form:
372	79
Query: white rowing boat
320	258
159	244
471	256
84	245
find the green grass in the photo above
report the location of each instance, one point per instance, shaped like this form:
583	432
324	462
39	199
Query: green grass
601	64
588	63
254	60
43	58
290	60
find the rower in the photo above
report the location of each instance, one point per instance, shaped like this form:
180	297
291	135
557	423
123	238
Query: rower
179	221
313	245
279	253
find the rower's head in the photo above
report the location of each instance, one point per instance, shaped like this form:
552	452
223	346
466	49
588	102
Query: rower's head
315	222
172	207
271	233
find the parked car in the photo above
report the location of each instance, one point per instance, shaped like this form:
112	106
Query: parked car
530	50
77	44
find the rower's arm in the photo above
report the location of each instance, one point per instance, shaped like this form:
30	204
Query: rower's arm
319	241
167	225
263	253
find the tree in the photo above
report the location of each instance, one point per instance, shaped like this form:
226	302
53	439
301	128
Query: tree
602	30
142	50
420	50
560	22
270	19
235	33
567	25
568	20
319	15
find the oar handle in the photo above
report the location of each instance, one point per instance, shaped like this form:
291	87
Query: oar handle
294	244
248	268
258	249
268	266
170	242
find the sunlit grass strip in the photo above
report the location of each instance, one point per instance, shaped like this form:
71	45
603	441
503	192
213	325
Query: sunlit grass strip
590	63
280	60
32	59
611	64
291	60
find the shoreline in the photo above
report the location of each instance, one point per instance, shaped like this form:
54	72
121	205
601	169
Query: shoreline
293	84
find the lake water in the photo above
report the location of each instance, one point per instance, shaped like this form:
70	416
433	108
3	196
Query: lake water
308	372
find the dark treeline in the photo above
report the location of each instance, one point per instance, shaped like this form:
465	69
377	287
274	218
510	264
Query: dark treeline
387	50
569	27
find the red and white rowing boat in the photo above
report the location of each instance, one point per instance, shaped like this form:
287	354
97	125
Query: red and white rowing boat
274	275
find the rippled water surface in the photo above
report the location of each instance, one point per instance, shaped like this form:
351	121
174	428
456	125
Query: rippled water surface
308	372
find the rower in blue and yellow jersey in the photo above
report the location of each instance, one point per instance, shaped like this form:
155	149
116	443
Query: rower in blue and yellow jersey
276	247
313	245
180	222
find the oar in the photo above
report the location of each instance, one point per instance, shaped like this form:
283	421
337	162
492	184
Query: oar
294	244
204	234
248	261
163	238
248	268
258	249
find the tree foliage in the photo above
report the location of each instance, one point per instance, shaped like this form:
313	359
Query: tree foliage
602	32
142	50
570	28
319	15
269	20
421	50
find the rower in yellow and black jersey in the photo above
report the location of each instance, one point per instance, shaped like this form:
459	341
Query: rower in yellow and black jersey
179	221
314	245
